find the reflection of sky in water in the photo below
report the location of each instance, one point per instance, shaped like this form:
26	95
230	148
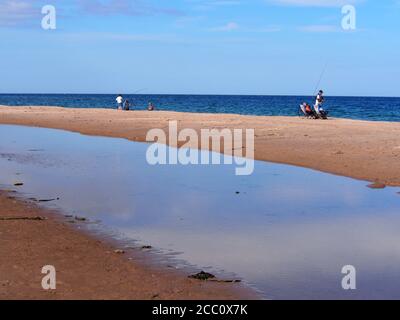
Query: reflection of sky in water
288	232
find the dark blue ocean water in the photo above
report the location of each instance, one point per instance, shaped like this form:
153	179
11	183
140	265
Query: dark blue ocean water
365	108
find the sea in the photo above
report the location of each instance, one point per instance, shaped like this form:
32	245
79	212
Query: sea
362	108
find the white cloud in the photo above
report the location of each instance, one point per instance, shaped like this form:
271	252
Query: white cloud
17	12
269	29
320	28
205	5
230	26
315	3
123	7
124	37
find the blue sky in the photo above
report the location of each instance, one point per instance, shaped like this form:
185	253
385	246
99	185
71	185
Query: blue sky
200	46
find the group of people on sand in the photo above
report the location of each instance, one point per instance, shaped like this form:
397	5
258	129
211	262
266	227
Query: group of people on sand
318	111
126	105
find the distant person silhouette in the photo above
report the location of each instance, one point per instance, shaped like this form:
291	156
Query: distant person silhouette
127	105
150	107
119	100
319	100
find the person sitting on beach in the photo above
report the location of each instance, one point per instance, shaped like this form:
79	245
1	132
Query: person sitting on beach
306	109
119	100
150	107
127	105
318	102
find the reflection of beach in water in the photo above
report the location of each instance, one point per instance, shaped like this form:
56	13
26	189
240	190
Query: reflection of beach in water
288	231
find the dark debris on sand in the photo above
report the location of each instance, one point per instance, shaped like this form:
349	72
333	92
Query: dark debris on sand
202	276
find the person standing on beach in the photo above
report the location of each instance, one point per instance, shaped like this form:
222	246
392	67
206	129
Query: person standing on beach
319	101
119	100
127	105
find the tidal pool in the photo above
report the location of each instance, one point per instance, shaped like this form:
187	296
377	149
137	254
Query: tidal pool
284	230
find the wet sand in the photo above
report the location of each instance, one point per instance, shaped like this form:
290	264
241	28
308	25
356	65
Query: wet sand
359	149
87	268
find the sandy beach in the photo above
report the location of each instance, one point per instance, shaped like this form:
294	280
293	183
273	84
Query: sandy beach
87	267
359	149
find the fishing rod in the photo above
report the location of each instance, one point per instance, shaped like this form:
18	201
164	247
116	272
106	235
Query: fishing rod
316	87
320	78
137	91
134	93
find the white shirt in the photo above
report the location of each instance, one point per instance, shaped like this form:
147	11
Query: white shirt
119	99
319	99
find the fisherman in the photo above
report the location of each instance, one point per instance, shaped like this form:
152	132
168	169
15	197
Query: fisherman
119	100
319	101
150	106
127	105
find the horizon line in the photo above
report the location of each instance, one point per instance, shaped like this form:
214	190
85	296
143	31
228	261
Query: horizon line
207	94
